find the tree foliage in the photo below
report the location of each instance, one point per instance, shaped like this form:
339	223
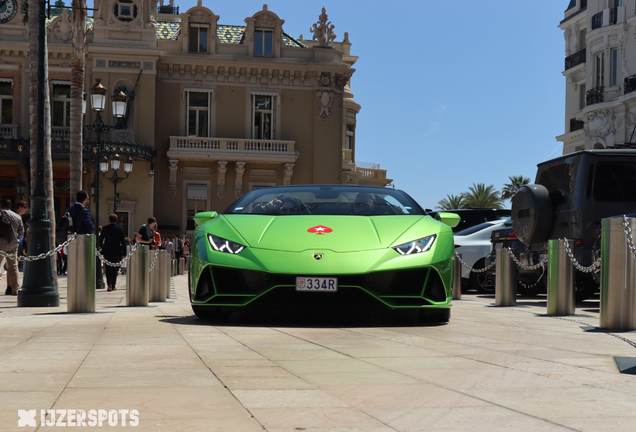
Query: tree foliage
510	189
482	196
451	202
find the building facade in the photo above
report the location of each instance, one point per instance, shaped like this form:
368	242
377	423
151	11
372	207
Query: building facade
214	110
600	67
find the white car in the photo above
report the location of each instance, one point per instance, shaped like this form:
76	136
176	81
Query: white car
474	245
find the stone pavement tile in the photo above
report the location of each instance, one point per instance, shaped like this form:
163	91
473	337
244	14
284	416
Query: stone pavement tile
236	422
9	422
314	398
556	403
220	363
400	396
411	363
36	346
357	378
229	354
328	366
394	351
155	403
606	424
20	355
34	381
473	419
187	360
12	401
118	376
297	352
38	365
266	383
319	419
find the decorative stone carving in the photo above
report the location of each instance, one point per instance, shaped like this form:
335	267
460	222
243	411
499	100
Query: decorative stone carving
289	172
238	181
323	30
600	126
566	35
324	98
220	179
172	182
61	28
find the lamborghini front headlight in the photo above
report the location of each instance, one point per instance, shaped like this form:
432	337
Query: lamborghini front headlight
222	245
416	246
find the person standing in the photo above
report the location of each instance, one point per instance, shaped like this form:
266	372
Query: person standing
146	233
178	247
82	222
112	241
12	230
167	245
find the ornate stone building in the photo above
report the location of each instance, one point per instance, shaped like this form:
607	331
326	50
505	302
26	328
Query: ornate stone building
214	110
600	67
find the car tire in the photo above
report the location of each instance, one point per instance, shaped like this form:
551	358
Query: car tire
532	214
211	313
481	282
585	287
441	315
532	290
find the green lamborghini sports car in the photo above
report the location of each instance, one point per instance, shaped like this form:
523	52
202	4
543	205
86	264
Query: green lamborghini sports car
322	245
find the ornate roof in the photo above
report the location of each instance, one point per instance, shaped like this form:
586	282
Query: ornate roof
230	34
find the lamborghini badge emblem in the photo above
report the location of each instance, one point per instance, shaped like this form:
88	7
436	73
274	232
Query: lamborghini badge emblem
318	257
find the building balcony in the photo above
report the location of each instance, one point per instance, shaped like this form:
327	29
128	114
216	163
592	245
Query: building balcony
575	59
608	17
8	131
170	10
594	96
60	132
372	173
232	149
597	20
630	84
576	125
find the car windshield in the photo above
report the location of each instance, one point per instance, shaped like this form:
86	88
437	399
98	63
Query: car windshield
476	228
326	200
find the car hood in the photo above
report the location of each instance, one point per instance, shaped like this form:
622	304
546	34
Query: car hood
336	233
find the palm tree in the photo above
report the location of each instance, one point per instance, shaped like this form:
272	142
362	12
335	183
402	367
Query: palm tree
78	62
482	196
510	189
451	202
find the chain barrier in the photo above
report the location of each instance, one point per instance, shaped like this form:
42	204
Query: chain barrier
482	270
154	260
492	264
576	264
527	267
629	236
42	255
121	263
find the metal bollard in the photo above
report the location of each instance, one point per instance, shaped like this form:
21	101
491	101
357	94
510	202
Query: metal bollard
81	274
560	279
618	277
457	279
505	283
138	277
157	277
166	272
173	265
181	265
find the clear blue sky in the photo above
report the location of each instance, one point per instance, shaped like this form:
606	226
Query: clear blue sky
452	93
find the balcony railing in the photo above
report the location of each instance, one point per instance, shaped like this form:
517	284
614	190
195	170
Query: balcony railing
8	131
171	10
575	59
613	18
231	144
375	173
597	20
576	125
594	96
60	132
630	84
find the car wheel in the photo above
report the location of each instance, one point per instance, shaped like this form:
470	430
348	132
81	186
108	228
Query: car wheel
434	315
585	287
532	290
211	313
532	214
481	282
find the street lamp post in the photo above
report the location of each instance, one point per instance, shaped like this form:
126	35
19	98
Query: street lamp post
98	103
115	179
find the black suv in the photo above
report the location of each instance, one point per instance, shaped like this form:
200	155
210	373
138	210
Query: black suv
571	195
475	216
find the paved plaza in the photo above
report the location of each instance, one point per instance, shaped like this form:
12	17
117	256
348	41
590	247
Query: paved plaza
489	369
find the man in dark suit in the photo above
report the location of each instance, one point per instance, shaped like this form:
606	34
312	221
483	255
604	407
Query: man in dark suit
82	222
113	244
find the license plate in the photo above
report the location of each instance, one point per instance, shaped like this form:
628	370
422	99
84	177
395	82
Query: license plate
317	284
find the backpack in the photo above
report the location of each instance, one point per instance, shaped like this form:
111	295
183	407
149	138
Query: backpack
178	247
64	227
6	229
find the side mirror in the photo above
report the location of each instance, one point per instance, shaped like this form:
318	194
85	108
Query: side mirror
450	219
203	217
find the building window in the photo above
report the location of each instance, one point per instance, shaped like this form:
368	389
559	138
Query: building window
61	105
616	3
599	79
263	116
125	10
6	102
263	43
349	137
613	67
198	114
198	38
